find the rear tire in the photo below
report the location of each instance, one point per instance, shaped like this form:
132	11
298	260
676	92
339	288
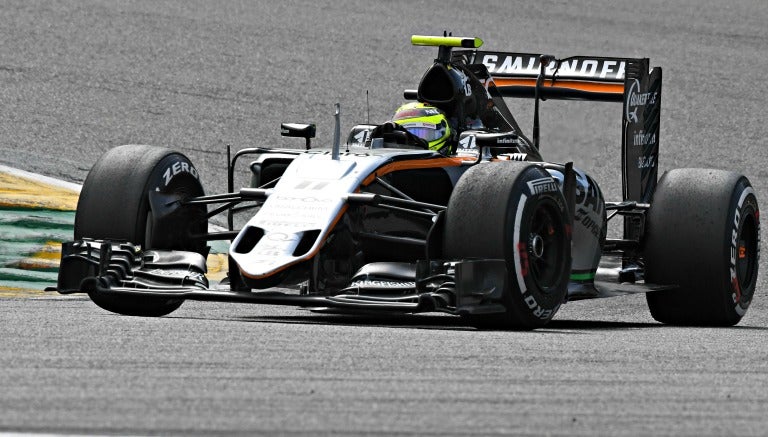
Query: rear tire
495	213
703	234
114	205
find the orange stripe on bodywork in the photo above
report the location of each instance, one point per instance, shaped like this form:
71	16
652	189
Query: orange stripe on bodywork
592	87
414	164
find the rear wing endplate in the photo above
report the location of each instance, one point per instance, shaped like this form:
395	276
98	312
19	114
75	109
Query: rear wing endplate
627	80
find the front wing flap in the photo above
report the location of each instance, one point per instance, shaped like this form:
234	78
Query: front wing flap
117	264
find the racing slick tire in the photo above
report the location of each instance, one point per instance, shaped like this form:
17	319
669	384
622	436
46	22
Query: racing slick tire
114	205
702	234
513	211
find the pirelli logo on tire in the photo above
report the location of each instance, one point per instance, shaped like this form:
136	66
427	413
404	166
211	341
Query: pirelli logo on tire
543	185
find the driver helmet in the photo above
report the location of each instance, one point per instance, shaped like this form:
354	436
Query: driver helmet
425	122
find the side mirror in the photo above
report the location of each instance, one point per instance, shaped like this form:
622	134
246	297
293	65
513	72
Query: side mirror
298	130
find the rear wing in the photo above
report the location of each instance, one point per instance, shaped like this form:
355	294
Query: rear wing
626	80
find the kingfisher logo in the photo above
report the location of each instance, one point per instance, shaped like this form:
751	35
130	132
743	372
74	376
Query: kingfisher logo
636	100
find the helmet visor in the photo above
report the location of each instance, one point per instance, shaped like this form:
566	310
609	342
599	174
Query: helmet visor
426	131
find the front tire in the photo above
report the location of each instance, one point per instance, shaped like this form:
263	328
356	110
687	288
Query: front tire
703	234
513	211
114	205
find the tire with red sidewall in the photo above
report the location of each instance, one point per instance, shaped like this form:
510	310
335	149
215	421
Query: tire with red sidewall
702	234
114	205
513	211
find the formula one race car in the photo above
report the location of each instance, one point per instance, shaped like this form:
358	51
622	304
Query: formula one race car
484	228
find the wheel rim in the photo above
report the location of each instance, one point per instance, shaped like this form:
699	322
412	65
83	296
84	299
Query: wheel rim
546	247
746	257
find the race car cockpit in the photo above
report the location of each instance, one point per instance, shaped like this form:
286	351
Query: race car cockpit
466	94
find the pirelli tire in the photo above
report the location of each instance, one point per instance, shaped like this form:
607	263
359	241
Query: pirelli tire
513	211
114	205
702	234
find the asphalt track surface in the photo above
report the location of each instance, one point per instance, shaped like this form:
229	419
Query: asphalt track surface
77	78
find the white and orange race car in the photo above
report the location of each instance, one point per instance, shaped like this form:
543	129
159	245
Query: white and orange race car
485	229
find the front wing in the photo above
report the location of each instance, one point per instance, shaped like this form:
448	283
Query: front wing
465	287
